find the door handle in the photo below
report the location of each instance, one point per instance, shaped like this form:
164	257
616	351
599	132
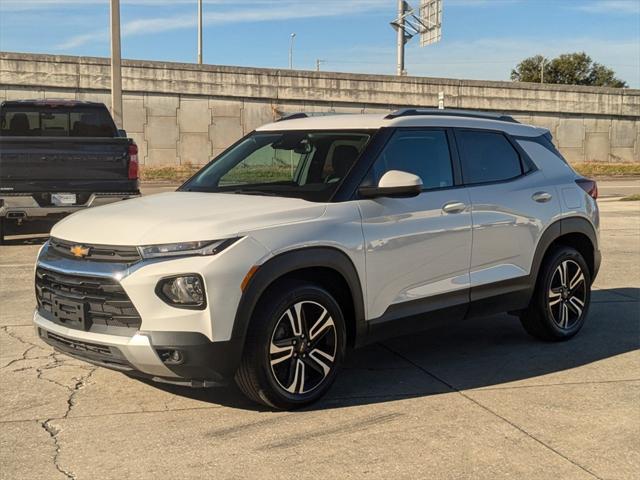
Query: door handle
541	197
454	207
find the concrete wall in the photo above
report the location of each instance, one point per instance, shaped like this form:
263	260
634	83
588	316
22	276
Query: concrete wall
181	113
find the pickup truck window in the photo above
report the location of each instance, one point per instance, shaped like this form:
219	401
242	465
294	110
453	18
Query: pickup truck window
47	121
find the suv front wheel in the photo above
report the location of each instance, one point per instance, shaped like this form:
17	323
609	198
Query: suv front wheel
562	296
295	343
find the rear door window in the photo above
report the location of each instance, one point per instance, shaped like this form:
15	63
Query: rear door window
487	157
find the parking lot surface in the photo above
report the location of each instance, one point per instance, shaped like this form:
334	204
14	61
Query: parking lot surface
477	400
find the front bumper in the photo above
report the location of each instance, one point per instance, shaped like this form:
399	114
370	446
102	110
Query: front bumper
209	350
204	363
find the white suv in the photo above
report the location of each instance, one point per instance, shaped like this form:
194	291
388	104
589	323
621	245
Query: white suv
310	235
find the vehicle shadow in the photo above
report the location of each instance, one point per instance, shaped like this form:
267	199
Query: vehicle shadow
487	352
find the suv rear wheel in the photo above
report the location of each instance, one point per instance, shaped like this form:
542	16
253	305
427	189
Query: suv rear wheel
295	345
562	296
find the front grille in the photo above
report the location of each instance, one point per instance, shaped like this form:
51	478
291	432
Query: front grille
96	253
106	355
99	301
78	345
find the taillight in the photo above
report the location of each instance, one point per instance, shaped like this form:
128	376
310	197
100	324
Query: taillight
133	162
589	186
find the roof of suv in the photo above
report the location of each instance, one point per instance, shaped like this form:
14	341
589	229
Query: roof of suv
418	119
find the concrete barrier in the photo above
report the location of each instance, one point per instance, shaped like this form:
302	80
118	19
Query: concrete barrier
187	113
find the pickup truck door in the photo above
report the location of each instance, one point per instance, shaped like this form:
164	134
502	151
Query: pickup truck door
418	249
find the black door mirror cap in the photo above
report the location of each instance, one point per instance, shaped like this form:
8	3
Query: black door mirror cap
406	191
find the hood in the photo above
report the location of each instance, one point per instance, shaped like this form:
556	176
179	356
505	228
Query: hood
180	217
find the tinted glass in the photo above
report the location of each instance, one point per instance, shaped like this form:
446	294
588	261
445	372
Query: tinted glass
35	121
424	153
486	157
307	165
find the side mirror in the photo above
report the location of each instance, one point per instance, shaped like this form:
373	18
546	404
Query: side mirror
122	133
395	184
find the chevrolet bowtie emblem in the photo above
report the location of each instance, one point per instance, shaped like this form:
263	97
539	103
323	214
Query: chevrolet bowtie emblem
79	251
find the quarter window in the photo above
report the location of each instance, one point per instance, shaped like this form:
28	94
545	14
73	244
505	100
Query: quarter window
487	157
424	153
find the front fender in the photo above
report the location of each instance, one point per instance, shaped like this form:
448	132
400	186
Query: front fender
282	264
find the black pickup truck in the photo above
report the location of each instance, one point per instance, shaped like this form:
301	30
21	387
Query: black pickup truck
59	156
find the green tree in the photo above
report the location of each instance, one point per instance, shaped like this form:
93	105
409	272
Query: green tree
529	70
602	76
569	69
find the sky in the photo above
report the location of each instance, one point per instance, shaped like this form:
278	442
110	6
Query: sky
481	39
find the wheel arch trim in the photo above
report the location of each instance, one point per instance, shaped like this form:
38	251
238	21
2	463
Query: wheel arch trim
291	261
557	229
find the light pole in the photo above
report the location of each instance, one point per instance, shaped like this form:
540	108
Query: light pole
116	70
199	32
291	38
400	39
318	62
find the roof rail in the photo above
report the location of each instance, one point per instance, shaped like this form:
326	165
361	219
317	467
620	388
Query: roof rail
292	116
410	112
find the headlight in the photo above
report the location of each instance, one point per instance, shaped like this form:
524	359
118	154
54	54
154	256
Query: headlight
184	291
210	247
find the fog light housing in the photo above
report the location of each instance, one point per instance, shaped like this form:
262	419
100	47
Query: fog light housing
183	291
171	356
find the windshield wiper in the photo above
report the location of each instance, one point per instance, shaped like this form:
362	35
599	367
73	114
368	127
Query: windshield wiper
255	192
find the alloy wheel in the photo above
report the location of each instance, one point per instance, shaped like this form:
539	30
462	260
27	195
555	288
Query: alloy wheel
303	347
567	294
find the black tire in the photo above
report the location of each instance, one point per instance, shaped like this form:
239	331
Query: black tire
1	230
273	321
559	306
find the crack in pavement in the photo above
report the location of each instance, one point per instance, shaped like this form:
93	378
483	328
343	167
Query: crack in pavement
50	366
53	433
31	346
21	359
21	340
49	427
489	410
57	362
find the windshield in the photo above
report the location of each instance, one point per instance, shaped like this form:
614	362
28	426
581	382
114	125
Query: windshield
306	165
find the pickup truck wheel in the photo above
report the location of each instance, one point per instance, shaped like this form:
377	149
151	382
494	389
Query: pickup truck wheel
295	345
561	299
1	230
